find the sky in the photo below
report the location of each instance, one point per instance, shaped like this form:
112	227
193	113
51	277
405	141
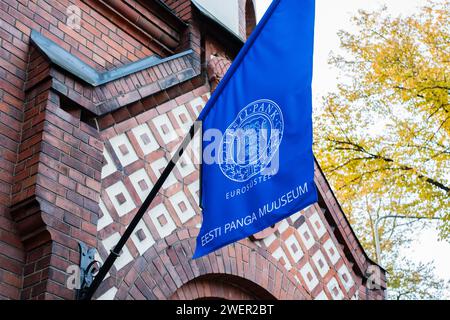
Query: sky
427	248
332	16
227	14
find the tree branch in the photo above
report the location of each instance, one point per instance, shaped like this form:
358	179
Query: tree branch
399	166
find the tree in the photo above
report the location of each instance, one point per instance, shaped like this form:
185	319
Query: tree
383	137
406	279
415	281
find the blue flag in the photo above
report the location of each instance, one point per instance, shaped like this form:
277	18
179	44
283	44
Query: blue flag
258	165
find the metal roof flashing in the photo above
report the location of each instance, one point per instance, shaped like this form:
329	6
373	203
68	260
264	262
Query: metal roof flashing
67	61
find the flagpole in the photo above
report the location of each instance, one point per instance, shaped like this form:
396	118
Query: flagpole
115	253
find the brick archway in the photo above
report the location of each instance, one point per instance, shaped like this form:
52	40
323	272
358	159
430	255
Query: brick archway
220	286
167	267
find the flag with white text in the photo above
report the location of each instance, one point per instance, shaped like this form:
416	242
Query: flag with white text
258	165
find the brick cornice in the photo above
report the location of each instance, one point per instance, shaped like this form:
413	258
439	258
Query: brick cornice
153	25
88	88
28	217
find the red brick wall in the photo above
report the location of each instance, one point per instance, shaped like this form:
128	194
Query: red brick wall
101	44
11	257
309	258
181	8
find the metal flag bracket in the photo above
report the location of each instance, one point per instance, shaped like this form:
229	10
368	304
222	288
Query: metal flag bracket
88	269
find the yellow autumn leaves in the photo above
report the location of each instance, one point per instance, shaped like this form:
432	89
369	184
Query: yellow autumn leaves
385	133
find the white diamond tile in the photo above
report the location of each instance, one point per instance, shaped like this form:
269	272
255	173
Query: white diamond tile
125	256
183	118
331	251
108	295
185	165
280	254
294	248
109	167
197	105
335	291
166	227
306	235
145	139
140	179
309	276
194	190
283	226
346	277
321	296
321	263
115	190
158	167
165	128
269	239
146	243
121	141
295	216
318	225
106	219
182	206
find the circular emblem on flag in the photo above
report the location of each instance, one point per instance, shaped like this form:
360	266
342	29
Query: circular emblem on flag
252	140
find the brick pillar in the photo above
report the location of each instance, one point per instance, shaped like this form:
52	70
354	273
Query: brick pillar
57	187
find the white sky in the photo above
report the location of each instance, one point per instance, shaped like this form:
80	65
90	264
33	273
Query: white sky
332	16
427	248
228	13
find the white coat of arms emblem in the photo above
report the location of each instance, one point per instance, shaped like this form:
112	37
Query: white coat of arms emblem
252	140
